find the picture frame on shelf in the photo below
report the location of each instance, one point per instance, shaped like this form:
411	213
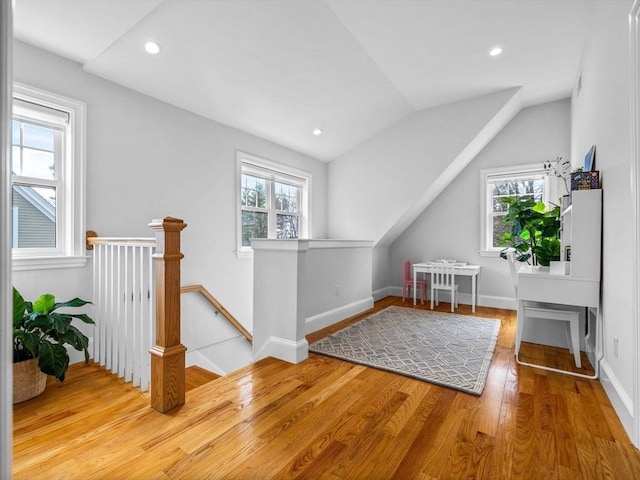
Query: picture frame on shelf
590	160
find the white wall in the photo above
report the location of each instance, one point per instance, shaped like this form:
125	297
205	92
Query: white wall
600	116
303	286
450	227
376	189
373	185
147	159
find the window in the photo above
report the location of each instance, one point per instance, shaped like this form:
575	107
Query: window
272	201
521	181
47	175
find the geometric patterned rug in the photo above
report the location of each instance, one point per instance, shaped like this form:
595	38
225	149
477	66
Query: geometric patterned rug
443	348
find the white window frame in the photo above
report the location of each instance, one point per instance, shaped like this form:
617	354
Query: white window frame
273	171
70	196
486	214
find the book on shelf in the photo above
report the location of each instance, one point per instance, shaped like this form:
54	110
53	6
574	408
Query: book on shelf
585	180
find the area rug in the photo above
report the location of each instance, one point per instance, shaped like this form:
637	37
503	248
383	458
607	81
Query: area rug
442	348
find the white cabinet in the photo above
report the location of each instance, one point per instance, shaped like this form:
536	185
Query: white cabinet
582	233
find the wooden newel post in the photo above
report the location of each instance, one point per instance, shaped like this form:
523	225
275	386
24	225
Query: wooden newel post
168	354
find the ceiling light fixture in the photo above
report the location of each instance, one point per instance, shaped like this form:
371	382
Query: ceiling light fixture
152	47
495	51
317	131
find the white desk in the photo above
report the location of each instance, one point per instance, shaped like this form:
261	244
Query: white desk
464	270
536	284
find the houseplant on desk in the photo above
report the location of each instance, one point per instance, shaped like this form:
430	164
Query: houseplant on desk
40	334
535	230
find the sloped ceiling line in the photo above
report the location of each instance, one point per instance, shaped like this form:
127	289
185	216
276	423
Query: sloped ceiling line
500	120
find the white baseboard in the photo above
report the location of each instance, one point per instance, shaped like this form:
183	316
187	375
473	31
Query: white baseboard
287	350
385	292
200	360
325	319
620	399
508	303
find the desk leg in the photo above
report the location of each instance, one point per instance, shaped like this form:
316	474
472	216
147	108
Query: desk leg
415	273
520	325
473	293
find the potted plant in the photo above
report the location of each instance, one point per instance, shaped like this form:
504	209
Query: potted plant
40	334
535	230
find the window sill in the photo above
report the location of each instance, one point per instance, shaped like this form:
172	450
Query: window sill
489	253
46	263
244	253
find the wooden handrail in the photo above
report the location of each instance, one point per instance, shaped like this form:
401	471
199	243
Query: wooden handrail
216	304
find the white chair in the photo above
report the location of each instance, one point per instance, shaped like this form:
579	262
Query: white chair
548	311
443	277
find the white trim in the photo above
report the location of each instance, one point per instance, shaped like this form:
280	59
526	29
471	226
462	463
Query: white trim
6	299
326	243
48	262
492	301
634	52
325	319
386	292
70	199
260	166
287	350
507	171
619	398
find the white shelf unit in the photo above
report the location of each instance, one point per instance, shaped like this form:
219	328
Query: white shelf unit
582	232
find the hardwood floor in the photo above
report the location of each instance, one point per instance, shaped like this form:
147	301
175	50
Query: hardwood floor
329	419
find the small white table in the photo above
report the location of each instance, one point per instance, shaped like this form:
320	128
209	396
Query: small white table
464	270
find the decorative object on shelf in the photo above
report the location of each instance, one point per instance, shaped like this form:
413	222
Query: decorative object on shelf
40	334
585	180
535	231
590	159
567	253
559	168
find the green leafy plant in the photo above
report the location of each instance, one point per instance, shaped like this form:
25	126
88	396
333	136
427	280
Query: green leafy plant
535	230
39	331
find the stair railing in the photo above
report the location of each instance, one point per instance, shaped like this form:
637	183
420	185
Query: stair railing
218	306
125	309
136	285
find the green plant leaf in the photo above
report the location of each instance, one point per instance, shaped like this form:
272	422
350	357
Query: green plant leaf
53	359
76	302
44	304
30	341
19	308
75	338
52	324
84	317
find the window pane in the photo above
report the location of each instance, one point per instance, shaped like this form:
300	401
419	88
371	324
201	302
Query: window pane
287	226
35	216
253	191
500	227
37	163
15	133
286	197
254	225
37	137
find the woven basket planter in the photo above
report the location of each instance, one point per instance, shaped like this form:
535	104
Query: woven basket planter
28	380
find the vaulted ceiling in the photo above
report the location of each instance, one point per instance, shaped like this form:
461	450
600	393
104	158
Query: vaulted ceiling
281	68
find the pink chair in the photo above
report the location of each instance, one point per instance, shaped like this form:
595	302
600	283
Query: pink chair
407	283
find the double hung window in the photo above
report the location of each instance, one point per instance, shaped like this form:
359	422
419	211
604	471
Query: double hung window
273	201
46	179
520	181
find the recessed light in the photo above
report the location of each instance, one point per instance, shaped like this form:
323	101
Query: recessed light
317	131
152	47
495	51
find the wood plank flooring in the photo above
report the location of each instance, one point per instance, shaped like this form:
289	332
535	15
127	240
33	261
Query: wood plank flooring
329	419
